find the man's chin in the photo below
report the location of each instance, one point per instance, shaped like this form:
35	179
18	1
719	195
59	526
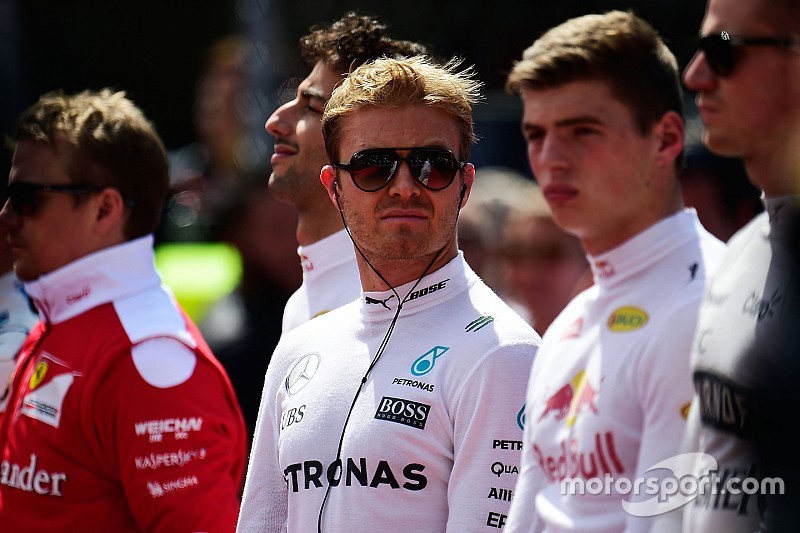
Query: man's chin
280	189
24	274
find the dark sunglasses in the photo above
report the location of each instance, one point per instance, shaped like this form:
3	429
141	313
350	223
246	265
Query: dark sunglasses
373	169
722	49
23	195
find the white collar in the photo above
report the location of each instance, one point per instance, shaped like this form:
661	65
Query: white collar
644	249
98	278
439	285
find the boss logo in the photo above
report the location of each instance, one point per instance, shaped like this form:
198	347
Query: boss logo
406	412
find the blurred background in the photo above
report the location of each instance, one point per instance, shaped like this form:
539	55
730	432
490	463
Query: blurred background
155	50
208	73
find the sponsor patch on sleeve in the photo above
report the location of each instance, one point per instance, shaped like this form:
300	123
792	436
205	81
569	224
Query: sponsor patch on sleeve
48	386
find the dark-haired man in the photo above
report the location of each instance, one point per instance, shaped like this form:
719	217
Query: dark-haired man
745	356
330	276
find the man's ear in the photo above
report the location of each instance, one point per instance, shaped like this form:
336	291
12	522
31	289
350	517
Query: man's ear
110	214
670	134
469	179
329	180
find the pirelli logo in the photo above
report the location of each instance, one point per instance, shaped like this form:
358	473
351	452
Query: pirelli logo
406	412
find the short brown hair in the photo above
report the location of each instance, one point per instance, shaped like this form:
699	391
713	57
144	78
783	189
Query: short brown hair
109	143
352	41
394	82
783	16
617	47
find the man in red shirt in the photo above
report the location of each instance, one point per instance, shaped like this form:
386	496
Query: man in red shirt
117	417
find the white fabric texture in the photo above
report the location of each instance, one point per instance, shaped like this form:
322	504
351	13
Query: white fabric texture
432	443
611	385
16	319
738	338
330	279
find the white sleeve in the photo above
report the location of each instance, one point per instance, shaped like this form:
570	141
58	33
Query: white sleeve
292	312
487	439
664	390
672	522
522	515
16	320
265	499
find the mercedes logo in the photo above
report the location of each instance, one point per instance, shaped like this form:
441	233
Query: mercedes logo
301	373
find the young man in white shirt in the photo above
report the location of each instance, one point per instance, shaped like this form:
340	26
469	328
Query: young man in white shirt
608	392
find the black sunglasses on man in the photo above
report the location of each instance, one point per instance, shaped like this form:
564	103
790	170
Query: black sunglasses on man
723	50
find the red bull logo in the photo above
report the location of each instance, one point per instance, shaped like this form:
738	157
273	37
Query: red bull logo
627	319
577	396
592	458
558	403
584	399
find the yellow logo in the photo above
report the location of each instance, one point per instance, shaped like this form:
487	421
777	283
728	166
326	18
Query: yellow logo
38	374
685	410
627	319
584	397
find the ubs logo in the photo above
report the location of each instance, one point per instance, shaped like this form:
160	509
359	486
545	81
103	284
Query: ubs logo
301	373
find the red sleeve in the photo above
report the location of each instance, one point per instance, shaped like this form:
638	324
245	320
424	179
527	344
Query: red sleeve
178	437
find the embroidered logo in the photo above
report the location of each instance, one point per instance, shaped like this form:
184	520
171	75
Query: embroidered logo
49	383
627	319
425	362
370	300
478	323
301	373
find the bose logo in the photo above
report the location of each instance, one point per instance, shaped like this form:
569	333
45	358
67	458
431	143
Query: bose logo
427	290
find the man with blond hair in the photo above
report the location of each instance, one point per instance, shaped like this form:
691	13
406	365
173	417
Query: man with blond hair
399	411
330	275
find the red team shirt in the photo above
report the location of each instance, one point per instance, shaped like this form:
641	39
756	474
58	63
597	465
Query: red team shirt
117	417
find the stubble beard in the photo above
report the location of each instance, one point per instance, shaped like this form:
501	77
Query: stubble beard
404	244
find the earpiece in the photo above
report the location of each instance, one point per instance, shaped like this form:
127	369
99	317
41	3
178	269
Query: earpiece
461	194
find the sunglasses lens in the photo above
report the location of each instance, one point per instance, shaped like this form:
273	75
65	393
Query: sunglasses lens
23	199
719	53
372	169
433	168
